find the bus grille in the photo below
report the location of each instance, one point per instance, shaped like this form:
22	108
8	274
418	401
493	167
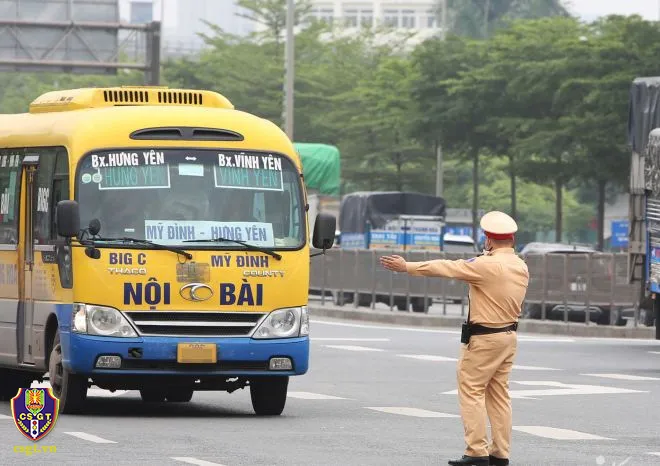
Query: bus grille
184	323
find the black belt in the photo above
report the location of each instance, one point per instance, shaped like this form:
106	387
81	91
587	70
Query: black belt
476	329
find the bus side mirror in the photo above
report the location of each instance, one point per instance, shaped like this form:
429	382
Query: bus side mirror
67	216
324	231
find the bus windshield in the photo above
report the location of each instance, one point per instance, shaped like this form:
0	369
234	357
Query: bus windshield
171	196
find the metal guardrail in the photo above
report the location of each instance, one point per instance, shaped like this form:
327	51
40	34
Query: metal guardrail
588	288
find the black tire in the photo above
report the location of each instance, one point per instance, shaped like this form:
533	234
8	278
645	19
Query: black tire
418	304
532	311
152	396
69	388
400	303
364	300
269	395
11	381
181	395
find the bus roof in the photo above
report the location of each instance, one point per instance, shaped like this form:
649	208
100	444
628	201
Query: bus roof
108	118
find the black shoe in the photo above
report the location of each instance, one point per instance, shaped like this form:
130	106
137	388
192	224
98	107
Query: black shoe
495	461
470	461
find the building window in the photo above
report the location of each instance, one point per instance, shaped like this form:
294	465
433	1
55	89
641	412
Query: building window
351	18
141	12
431	19
326	15
408	19
366	18
391	18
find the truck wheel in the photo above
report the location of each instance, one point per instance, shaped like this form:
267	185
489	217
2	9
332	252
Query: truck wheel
11	381
180	395
152	396
269	395
69	388
418	304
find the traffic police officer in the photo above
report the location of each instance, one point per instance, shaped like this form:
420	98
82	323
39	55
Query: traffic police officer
498	283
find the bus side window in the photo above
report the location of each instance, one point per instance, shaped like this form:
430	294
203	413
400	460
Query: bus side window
10	184
60	187
43	191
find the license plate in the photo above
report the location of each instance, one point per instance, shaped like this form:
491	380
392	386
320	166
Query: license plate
196	353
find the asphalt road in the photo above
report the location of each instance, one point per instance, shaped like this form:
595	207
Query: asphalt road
381	395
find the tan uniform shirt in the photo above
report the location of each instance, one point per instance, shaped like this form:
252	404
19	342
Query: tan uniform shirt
498	283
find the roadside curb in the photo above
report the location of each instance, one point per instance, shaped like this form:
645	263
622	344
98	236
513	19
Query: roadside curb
525	326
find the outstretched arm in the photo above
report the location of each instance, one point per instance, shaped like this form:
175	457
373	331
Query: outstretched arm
470	270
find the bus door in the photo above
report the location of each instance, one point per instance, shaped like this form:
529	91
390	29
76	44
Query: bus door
10	287
26	303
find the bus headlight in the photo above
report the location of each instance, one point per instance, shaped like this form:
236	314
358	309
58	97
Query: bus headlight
101	321
283	323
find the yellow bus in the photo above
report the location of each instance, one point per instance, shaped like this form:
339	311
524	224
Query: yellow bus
152	239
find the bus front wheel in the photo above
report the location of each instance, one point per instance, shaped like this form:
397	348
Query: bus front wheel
269	395
69	388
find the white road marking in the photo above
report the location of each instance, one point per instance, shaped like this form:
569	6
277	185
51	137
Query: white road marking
545	340
533	368
415	412
189	460
90	391
4	416
89	437
558	434
561	389
654	453
382	327
353	348
100	392
654	352
427	357
622	376
314	396
349	339
431	357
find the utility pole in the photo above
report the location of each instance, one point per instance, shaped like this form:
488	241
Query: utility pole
289	65
439	171
444	19
486	17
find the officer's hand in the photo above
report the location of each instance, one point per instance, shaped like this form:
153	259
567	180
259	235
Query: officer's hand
393	263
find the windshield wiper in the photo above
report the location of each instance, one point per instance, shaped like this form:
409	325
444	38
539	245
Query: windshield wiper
249	246
184	253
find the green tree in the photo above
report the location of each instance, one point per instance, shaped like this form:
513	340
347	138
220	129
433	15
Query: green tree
446	118
481	18
526	66
610	55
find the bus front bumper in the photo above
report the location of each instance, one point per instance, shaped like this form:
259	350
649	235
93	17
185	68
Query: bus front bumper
158	356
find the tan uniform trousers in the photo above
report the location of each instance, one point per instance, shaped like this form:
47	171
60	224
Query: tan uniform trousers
483	391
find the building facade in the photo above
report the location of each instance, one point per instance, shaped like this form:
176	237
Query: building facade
183	20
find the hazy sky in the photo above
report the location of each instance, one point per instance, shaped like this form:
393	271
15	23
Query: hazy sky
591	9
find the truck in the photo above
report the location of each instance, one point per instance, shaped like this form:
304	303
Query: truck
644	212
398	221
